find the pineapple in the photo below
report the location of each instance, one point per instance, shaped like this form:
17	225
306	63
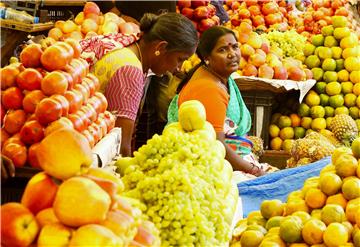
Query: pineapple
331	137
258	146
344	128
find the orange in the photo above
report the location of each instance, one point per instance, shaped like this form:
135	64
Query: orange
251	238
270	208
295	120
355	147
335	235
275	143
296	205
337	199
357	217
332	213
313	231
346	165
351	188
290	229
274	222
330	183
315	198
304	216
316	214
352	208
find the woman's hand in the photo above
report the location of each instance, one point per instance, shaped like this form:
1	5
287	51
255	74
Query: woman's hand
7	168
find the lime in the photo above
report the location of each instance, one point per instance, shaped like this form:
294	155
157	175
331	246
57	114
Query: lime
304	110
329	111
341	110
336	101
329	64
346	87
330	41
324	99
330	76
333	88
317	73
320	87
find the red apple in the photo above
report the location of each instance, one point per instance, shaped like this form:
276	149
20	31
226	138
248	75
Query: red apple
18	225
206	24
201	13
39	192
187	12
91	8
30	56
197	3
184	4
280	72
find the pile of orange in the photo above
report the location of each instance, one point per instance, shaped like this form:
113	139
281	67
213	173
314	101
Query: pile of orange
325	212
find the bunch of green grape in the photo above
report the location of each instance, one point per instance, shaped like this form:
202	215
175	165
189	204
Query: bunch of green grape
185	186
290	42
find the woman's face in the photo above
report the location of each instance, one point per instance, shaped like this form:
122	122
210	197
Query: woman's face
225	57
170	61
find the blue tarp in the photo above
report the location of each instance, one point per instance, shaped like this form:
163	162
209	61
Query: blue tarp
277	185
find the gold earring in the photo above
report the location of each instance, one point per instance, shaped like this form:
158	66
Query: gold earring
157	53
207	62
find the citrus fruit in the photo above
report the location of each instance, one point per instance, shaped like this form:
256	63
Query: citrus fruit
306	122
317	111
304	110
317	40
330	183
352	208
309	49
337	199
275	143
287	145
339	21
295	205
339	64
295	120
284	121
315	198
324	99
338	152
330	76
327	30
312	61
318	124
354	112
356	89
331	213
290	229
317	73
275	118
329	111
351	188
346	165
299	132
312	99
355	147
355	76
343	75
341	110
336	52
313	231
335	235
330	41
251	238
270	208
324	52
333	88
274	130
304	216
346	87
274	222
336	101
341	32
352	63
320	87
350	99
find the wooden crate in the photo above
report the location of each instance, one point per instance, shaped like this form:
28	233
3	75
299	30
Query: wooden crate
25	27
275	158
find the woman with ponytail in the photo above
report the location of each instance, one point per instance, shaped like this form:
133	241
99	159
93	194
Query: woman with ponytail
122	63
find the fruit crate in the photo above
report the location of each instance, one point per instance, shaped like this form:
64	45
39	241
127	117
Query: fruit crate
260	105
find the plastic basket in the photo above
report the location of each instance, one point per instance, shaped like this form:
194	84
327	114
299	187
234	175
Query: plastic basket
260	105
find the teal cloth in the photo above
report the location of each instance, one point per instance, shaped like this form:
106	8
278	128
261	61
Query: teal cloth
236	110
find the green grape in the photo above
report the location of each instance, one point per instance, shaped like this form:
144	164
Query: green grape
185	188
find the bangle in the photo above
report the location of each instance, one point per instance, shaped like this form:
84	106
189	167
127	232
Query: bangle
254	169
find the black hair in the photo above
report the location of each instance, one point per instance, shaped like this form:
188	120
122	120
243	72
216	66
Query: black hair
207	42
174	28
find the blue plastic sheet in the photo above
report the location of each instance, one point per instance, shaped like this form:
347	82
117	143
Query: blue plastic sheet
277	185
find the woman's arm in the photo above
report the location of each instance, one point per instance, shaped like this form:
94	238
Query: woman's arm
127	127
236	161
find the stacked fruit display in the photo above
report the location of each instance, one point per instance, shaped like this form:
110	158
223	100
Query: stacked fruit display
334	58
48	90
90	22
73	204
325	212
259	58
263	15
184	181
202	13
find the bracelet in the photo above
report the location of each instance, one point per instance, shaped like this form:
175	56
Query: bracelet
254	171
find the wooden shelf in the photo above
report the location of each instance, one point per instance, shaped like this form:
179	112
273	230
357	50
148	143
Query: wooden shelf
25	27
63	3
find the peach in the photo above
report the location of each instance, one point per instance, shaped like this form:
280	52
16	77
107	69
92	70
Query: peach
68	27
94	235
265	71
255	40
89	25
257	59
55	33
246	50
91	8
79	19
8	76
280	72
120	222
296	74
250	70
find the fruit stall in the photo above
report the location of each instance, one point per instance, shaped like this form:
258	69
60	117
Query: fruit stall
299	76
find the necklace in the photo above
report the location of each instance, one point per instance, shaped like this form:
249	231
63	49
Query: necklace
221	83
141	58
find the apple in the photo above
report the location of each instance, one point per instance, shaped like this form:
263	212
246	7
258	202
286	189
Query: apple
197	3
187	12
91	7
73	150
39	192
18	225
105	174
184	4
280	72
46	216
201	13
205	24
54	235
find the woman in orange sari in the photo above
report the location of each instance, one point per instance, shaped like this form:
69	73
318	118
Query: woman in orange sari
211	84
122	63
